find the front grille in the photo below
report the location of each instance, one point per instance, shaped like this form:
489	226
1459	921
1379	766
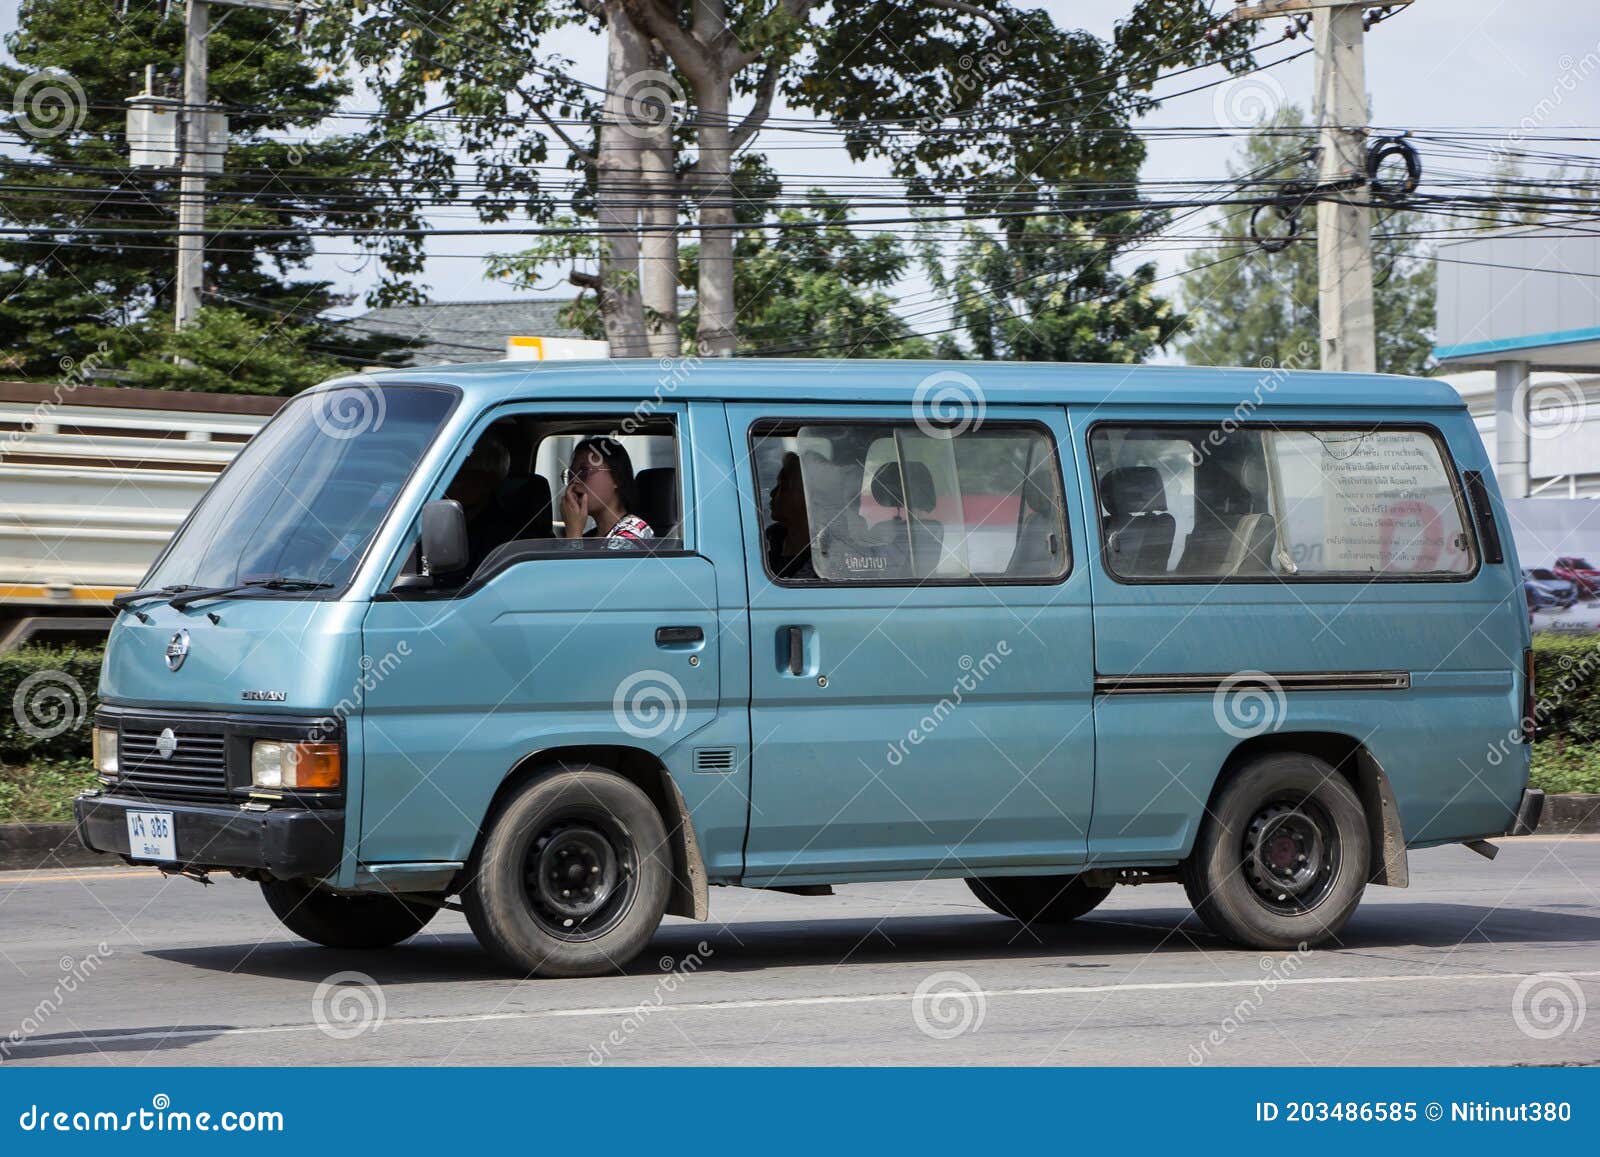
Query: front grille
197	769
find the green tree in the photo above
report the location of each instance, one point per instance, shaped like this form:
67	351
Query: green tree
69	286
1045	288
1247	305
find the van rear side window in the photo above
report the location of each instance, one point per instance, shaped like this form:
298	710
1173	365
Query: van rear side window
1199	502
850	502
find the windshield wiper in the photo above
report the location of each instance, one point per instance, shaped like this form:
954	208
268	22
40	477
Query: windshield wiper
275	583
125	600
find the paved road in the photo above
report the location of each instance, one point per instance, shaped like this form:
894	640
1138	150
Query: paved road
1430	975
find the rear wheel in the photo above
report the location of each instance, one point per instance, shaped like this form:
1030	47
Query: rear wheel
573	876
1282	857
1039	899
344	921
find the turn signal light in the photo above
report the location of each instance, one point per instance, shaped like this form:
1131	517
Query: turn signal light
295	766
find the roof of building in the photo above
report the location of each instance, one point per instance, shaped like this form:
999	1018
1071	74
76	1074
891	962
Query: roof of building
946	389
453	332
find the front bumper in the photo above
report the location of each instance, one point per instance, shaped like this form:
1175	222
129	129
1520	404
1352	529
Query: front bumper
283	842
1529	809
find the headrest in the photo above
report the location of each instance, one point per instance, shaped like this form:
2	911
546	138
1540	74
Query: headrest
1130	490
491	457
658	498
887	491
525	501
1039	488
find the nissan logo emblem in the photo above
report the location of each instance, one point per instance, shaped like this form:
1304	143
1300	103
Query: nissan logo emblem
166	743
177	649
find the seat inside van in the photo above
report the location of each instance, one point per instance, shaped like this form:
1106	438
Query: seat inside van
1139	530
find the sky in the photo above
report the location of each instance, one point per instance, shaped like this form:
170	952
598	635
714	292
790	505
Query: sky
1436	64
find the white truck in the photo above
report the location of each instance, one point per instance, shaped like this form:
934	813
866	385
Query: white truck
93	481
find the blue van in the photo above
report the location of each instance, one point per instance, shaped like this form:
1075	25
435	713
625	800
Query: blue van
571	643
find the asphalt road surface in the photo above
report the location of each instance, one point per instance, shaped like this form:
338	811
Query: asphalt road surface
1450	971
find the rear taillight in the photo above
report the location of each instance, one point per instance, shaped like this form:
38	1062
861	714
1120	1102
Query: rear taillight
1528	726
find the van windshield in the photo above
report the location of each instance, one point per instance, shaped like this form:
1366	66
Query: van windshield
305	496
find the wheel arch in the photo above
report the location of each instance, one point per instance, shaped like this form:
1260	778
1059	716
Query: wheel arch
690	891
1361	769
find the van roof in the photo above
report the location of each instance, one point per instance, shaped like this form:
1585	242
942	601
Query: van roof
865	380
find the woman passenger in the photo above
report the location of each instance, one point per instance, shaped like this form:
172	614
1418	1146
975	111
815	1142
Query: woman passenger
599	485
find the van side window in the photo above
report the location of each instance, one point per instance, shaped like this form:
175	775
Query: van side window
846	502
512	482
1204	502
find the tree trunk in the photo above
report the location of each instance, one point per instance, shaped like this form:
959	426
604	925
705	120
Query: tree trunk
658	247
618	179
714	195
713	188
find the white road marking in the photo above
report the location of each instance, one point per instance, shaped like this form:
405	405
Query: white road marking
790	1002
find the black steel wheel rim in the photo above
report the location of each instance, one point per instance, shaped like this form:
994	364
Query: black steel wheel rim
581	873
1291	854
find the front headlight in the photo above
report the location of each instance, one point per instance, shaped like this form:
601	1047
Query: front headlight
277	765
105	752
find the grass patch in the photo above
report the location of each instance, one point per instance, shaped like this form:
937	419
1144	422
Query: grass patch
42	792
1566	767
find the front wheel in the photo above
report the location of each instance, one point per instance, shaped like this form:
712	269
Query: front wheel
573	876
345	921
1282	857
1039	899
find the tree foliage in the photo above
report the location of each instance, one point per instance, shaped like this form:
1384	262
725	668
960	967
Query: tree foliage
69	288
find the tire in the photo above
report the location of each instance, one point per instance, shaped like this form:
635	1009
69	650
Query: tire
1283	855
1039	899
578	825
344	921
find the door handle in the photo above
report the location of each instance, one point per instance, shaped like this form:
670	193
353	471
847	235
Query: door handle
797	651
677	636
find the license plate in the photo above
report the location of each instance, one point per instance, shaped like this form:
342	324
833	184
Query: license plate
150	836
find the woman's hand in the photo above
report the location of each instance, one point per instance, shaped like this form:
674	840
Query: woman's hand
574	510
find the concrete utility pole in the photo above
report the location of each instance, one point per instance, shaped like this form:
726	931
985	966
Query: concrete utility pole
1344	219
192	140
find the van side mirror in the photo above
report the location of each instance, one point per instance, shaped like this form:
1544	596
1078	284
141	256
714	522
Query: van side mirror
444	537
